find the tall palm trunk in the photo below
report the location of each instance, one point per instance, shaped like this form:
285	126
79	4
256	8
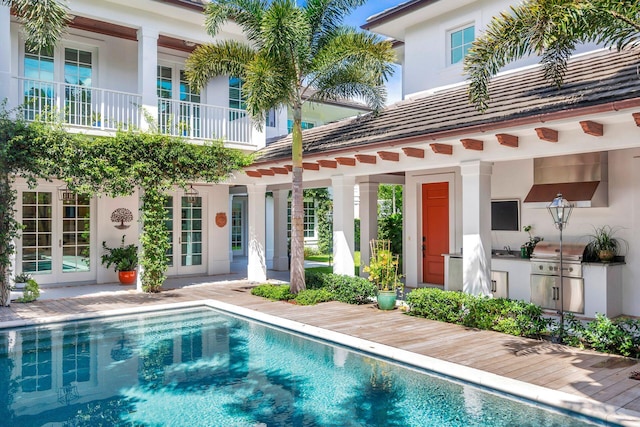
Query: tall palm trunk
297	205
6	248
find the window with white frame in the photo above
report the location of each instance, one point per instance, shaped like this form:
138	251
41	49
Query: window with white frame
309	219
304	125
236	98
39	92
271	118
460	41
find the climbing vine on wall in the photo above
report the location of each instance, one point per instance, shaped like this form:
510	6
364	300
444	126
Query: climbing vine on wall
154	163
24	152
113	166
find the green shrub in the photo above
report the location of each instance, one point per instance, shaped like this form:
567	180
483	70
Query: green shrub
273	292
617	336
435	304
313	296
351	289
512	317
316	279
31	291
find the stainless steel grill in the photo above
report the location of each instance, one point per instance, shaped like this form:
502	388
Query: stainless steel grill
545	276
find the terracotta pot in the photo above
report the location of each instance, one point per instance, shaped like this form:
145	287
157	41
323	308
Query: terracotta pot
127	277
606	256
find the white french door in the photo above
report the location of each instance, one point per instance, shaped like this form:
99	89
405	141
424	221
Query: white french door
55	245
187	230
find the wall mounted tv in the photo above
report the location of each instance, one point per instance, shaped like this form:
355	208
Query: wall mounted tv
505	215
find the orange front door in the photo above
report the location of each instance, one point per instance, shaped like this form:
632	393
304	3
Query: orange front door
435	231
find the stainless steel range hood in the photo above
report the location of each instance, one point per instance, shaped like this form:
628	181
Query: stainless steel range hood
583	179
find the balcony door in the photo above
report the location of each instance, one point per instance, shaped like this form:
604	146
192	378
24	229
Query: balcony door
55	244
187	230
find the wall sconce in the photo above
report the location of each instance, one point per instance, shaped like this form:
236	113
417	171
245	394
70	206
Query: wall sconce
191	194
65	194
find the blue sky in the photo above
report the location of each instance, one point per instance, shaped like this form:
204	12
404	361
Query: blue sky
359	17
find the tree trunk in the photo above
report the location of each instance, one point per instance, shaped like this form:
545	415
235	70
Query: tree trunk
297	206
6	245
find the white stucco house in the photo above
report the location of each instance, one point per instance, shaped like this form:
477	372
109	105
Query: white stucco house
457	164
454	162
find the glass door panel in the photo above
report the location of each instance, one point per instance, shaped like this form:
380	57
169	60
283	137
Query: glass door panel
191	236
186	234
55	243
76	234
237	227
37	236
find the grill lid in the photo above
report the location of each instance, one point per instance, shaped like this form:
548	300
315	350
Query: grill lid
551	251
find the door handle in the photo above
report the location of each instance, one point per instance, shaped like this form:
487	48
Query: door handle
494	286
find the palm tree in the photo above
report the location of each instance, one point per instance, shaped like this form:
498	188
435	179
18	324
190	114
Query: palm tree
551	29
290	49
43	21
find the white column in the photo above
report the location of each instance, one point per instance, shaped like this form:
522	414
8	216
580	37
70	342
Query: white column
280	246
476	227
368	221
343	233
5	54
148	73
256	267
219	237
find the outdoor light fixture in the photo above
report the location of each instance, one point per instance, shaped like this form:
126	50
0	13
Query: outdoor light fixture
65	194
191	194
560	210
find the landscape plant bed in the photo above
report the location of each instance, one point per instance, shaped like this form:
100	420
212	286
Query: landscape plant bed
615	336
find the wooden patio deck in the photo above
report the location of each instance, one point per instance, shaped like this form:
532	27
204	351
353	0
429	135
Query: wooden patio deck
603	378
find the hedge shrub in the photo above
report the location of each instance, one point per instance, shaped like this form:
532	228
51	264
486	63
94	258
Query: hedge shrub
273	292
512	317
351	289
313	296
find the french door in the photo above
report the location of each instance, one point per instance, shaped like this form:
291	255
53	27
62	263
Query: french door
56	243
186	226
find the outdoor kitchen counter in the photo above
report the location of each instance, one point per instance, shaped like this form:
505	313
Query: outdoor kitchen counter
602	282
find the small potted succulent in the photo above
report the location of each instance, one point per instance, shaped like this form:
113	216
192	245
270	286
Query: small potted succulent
383	272
124	260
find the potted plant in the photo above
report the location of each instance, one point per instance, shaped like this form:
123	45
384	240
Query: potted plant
124	260
20	280
527	248
603	245
383	272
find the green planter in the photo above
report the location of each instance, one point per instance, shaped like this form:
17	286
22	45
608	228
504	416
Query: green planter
386	300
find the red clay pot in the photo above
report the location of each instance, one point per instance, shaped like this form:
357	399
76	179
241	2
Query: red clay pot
127	277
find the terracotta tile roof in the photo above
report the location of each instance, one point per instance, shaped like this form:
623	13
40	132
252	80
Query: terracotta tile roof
598	78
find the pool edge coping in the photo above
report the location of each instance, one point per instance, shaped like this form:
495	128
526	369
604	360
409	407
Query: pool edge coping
535	393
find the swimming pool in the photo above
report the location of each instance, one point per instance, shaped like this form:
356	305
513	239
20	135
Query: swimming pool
203	367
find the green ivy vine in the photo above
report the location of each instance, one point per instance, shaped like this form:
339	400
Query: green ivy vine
113	166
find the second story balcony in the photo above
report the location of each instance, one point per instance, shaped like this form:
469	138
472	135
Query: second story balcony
98	110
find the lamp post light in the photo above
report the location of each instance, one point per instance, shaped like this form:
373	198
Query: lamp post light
560	210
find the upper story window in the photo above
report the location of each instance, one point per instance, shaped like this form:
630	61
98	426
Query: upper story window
77	67
38	64
236	98
304	125
459	43
187	93
165	82
271	118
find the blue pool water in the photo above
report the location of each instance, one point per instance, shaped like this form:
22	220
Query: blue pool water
200	367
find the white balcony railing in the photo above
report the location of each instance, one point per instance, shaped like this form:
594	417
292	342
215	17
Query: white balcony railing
95	108
200	121
80	106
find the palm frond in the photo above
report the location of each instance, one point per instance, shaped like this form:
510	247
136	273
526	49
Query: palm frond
246	13
267	85
285	32
43	21
227	58
551	29
351	83
326	16
351	49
